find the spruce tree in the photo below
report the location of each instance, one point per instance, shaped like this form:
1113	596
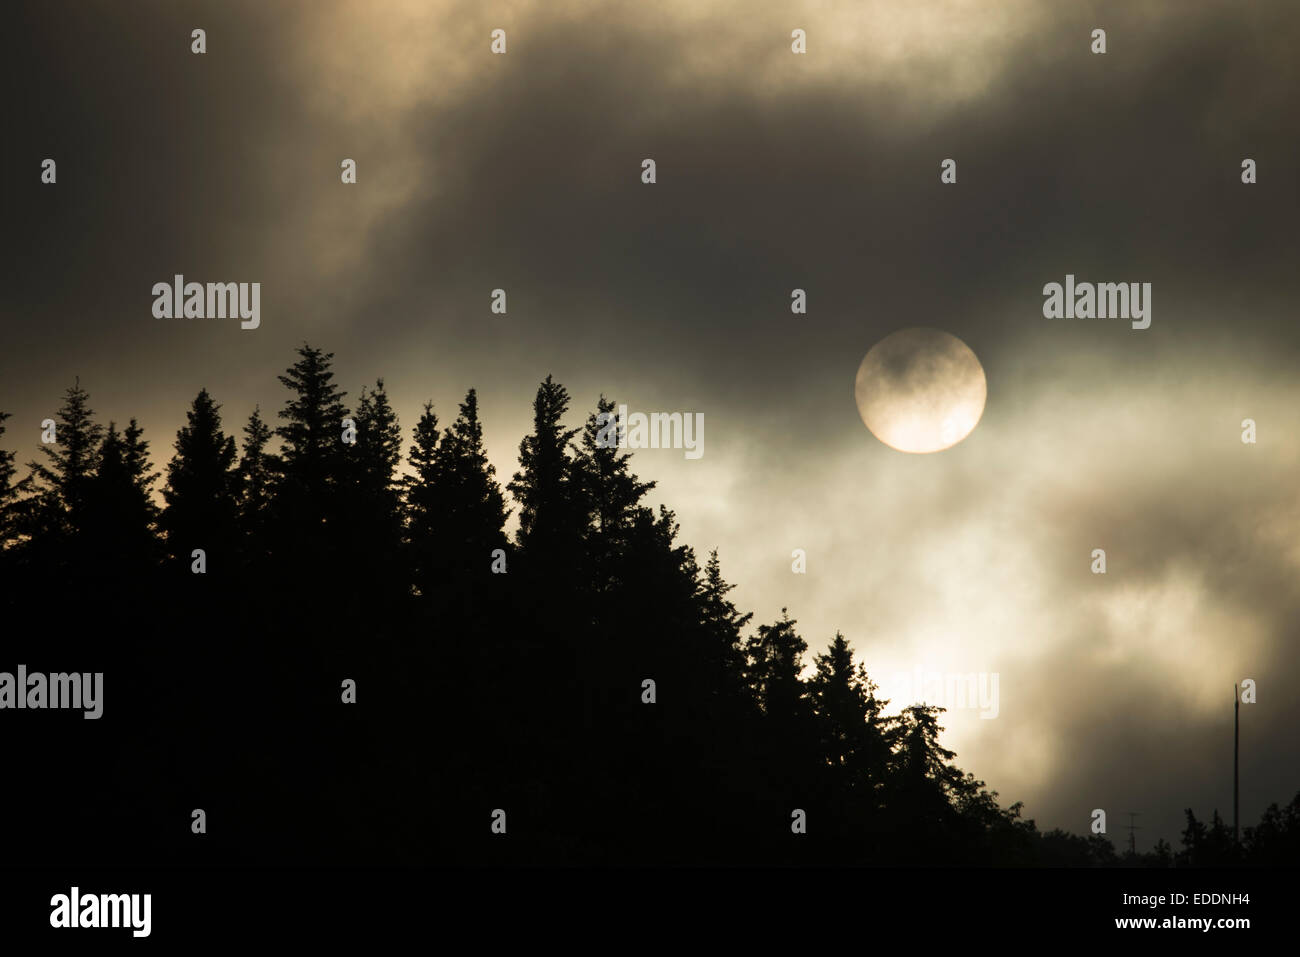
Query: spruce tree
8	492
722	624
774	667
854	740
476	509
11	589
457	515
926	790
312	447
312	467
611	495
120	511
61	483
256	477
459	508
839	703
920	758
546	486
377	453
371	528
775	662
423	507
202	489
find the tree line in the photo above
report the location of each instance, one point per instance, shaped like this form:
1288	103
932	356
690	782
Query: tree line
586	676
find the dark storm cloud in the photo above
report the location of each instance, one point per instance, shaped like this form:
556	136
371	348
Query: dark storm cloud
1115	167
775	172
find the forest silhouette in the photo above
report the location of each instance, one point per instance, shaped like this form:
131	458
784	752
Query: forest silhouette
491	672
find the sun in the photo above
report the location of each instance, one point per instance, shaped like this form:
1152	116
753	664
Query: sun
920	390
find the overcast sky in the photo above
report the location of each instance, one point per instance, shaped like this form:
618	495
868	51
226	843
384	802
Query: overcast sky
775	171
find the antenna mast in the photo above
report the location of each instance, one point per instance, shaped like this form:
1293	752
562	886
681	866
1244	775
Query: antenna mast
1236	737
1132	829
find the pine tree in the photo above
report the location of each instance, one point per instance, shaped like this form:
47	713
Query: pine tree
478	508
928	793
1218	849
1101	851
618	554
920	756
784	754
312	467
1194	841
312	434
202	489
378	449
375	457
1162	855
457	514
775	662
371	528
852	740
834	691
8	492
1275	841
58	508
549	510
471	507
256	477
423	506
11	589
138	464
120	512
611	496
721	623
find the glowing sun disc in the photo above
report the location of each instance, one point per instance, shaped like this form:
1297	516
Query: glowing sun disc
920	390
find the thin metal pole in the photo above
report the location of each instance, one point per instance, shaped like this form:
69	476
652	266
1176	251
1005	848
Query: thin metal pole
1236	736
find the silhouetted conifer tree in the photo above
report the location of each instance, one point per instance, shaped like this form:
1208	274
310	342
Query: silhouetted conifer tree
1207	845
926	789
550	512
611	495
56	511
8	492
202	492
458	513
312	466
619	564
789	751
476	510
853	740
423	508
120	511
723	652
256	476
775	661
920	756
1275	841
370	507
10	553
378	452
